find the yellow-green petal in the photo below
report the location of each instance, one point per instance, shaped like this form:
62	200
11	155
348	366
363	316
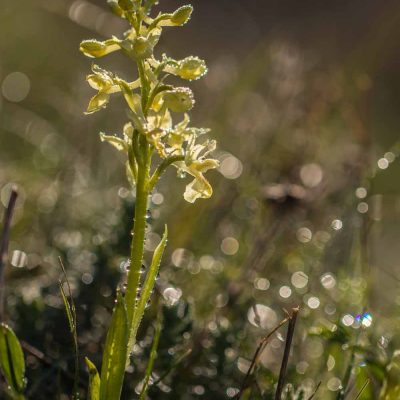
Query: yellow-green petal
95	49
98	102
115	141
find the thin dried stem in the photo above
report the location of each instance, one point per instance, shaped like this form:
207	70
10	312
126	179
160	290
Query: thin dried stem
315	391
286	353
261	347
362	389
5	238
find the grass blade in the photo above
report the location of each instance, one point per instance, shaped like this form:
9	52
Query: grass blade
173	365
315	391
148	287
4	240
94	381
69	307
114	357
286	353
153	356
260	349
366	383
12	361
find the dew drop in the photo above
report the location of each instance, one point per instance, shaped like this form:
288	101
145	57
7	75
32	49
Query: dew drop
261	316
172	295
125	266
328	281
19	259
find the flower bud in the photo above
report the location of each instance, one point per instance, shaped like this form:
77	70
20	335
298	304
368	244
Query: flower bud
182	15
115	8
94	48
142	48
179	99
191	68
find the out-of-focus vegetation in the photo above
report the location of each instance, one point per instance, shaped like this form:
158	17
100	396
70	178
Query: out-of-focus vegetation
303	99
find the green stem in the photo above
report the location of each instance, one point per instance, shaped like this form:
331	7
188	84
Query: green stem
144	85
137	244
153	356
161	168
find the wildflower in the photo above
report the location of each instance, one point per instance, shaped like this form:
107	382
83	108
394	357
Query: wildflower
196	164
179	99
106	83
95	49
152	104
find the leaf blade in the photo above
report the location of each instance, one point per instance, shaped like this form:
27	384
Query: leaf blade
94	381
148	287
153	356
114	356
12	361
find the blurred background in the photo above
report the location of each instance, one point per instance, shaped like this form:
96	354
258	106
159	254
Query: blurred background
303	99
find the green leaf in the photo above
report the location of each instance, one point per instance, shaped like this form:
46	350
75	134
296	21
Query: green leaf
391	386
71	316
115	353
130	175
115	141
12	361
94	381
68	310
153	356
148	287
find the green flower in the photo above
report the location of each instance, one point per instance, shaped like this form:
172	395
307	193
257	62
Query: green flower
105	83
141	46
179	99
196	164
182	133
150	108
180	17
95	49
190	68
